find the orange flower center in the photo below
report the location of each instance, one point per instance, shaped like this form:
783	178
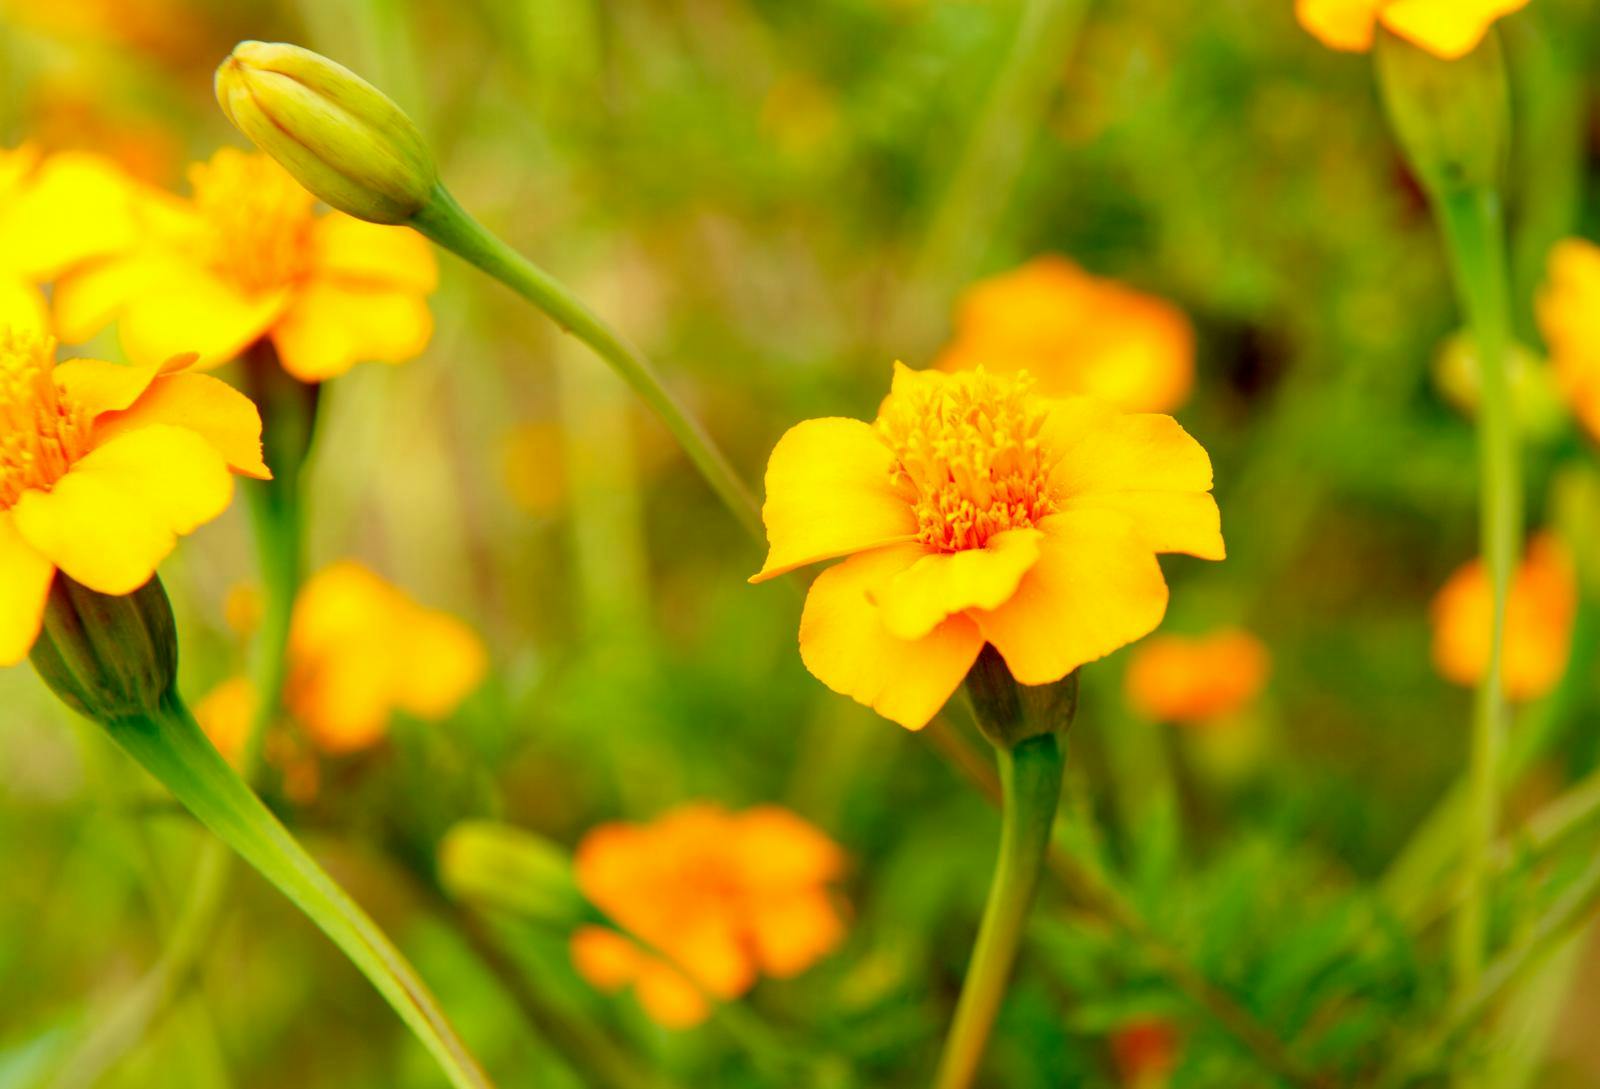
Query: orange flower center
42	430
969	449
258	220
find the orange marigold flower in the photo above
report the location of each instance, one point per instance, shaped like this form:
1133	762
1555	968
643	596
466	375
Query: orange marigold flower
360	650
1076	334
1539	619
1446	28
1174	678
725	897
246	258
1569	316
102	468
977	511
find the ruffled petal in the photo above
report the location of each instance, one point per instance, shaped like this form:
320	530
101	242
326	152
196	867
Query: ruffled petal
330	327
186	309
372	256
845	645
831	492
102	387
211	408
942	584
118	512
1144	466
24	584
1095	587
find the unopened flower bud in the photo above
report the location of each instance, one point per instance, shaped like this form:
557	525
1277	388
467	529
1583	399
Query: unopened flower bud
1536	400
345	140
508	869
1009	713
1452	117
109	657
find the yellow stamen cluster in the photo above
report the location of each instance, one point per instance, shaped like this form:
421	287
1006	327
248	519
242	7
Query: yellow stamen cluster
42	430
969	448
258	219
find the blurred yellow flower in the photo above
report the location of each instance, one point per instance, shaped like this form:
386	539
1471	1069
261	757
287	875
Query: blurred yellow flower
1446	28
360	649
727	897
1076	334
1174	678
248	258
1539	619
977	511
60	211
1569	317
226	714
102	468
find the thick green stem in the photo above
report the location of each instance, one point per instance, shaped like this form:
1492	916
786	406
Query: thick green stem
172	747
448	224
1474	233
1030	778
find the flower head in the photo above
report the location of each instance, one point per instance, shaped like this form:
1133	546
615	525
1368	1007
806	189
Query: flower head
247	257
1196	680
1448	29
977	511
59	211
1569	316
102	468
1539	619
726	897
1076	334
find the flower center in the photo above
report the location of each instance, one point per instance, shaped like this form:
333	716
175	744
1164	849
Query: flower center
258	219
969	448
42	430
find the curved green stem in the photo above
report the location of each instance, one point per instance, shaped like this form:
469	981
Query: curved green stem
1030	783
1474	233
172	747
448	224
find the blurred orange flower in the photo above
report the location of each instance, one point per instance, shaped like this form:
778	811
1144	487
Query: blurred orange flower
1539	619
247	258
1173	678
1446	28
1569	317
360	649
726	897
977	511
226	714
1076	334
102	468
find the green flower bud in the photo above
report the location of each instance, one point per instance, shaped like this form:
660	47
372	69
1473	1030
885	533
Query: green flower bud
1009	713
1452	117
109	657
501	867
341	137
1536	399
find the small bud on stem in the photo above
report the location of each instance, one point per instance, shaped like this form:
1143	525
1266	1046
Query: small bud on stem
108	657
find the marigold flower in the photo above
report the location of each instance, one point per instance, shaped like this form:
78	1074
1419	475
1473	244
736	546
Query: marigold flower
1173	678
726	897
976	511
360	650
1569	317
102	468
1539	619
1076	334
59	211
1446	28
246	258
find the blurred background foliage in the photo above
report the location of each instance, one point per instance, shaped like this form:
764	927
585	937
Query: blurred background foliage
778	199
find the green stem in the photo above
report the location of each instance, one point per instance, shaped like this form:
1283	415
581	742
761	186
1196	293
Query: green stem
171	746
1030	784
1474	233
448	224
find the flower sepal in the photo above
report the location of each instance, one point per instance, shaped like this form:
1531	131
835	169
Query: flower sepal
1453	117
1010	713
109	657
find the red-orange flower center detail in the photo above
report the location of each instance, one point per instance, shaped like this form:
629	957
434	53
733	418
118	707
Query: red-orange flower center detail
42	430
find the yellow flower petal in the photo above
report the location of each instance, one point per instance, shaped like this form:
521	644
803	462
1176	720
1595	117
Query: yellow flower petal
22	307
76	208
605	958
1095	587
90	299
117	513
845	645
792	933
191	310
24	584
211	408
369	255
830	492
102	387
329	328
1144	466
942	584
669	998
1348	25
441	662
1446	28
